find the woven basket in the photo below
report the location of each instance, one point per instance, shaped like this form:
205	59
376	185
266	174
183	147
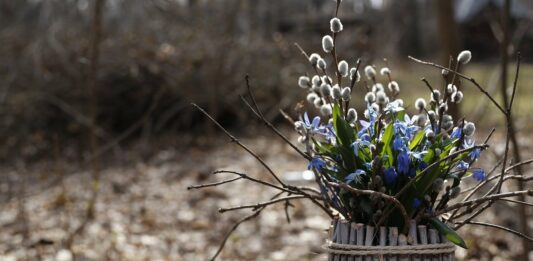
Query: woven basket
358	242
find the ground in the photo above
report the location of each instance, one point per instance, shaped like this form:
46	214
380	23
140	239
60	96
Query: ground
145	212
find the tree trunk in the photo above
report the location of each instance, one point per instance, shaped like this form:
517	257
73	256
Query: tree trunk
449	41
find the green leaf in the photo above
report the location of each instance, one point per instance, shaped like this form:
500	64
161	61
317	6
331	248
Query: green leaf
345	133
345	138
387	141
416	140
449	233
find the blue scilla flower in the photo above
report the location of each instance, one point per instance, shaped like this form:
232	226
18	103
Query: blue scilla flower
419	155
456	133
365	128
475	154
422	165
479	174
398	143
313	126
394	107
403	131
417	203
364	136
317	164
403	162
355	176
461	165
408	127
372	113
412	172
358	144
330	134
368	165
390	176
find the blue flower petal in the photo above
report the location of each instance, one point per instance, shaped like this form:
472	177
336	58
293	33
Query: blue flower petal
355	176
479	174
390	176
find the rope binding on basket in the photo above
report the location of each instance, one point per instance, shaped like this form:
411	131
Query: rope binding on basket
358	250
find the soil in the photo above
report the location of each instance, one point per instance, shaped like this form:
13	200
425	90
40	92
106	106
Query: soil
144	210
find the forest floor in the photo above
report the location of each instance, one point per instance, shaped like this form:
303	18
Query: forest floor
145	212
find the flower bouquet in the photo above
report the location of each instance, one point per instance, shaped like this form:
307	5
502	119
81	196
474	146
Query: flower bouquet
386	177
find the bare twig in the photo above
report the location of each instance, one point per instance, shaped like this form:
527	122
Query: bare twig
524	236
245	176
517	202
94	54
484	199
214	184
262	204
240	144
260	115
286	208
492	190
286	116
236	225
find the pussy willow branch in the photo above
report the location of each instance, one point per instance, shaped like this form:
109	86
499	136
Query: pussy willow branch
262	204
334	51
446	95
431	90
352	83
490	198
522	235
384	196
470	79
510	135
307	57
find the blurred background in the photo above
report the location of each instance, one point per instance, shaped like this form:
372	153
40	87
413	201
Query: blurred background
99	141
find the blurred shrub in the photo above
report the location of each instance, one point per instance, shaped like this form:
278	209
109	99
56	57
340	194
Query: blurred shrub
161	54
